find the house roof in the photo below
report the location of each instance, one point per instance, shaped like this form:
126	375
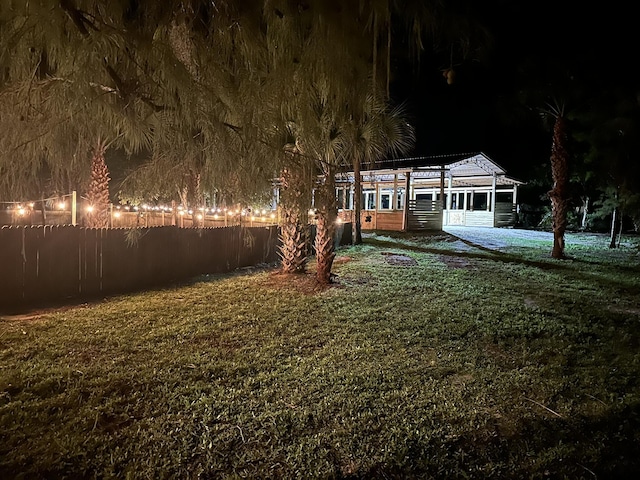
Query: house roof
464	170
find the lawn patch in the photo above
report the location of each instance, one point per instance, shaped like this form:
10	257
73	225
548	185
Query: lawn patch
441	363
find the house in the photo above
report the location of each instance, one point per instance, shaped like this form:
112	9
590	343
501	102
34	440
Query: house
469	190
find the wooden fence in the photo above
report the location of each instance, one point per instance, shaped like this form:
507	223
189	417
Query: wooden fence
46	263
49	263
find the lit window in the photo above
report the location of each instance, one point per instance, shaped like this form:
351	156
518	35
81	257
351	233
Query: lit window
369	199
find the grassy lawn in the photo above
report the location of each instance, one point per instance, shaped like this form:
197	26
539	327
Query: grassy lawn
429	358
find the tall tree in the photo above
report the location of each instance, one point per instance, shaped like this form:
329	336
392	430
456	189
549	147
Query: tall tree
559	194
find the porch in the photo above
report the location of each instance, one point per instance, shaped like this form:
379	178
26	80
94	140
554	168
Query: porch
472	191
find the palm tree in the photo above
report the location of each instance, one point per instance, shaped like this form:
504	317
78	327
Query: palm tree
380	130
295	196
559	194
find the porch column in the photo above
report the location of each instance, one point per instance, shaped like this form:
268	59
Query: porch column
394	199
516	210
442	188
493	199
448	205
407	196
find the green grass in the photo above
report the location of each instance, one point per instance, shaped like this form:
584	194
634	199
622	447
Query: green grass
469	363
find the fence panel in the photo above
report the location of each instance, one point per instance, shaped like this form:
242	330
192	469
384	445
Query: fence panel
47	263
11	263
58	262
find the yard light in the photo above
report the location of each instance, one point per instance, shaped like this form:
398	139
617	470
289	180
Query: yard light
215	216
62	205
338	220
199	217
89	208
273	215
117	214
21	211
31	205
182	212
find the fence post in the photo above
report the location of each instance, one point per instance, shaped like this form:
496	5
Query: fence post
74	208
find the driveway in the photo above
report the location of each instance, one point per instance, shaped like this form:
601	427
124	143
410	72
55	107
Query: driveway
499	238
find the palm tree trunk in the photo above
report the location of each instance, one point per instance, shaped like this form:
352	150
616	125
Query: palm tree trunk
98	190
559	195
325	228
357	201
292	243
293	239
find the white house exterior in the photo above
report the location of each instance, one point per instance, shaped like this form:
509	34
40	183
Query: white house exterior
472	190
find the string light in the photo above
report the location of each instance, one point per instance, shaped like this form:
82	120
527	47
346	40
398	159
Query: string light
62	202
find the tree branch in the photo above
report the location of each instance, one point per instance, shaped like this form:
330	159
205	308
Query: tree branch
81	22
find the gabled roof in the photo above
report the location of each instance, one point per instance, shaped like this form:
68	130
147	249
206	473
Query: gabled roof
475	169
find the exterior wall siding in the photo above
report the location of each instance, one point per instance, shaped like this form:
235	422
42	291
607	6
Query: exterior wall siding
479	219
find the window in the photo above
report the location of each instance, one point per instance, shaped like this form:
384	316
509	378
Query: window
344	198
400	199
369	199
386	199
480	200
504	197
340	197
457	201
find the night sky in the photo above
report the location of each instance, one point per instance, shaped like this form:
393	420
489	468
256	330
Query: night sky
533	45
